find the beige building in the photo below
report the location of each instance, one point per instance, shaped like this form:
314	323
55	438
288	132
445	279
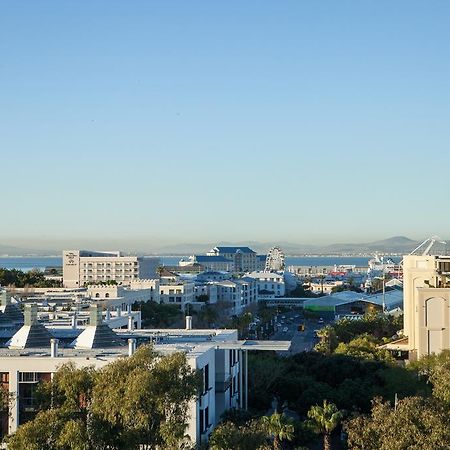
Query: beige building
426	281
84	266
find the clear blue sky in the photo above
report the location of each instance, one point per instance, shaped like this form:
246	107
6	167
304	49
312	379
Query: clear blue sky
200	121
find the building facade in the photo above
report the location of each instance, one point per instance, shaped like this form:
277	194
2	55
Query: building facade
269	283
34	353
84	266
426	284
244	258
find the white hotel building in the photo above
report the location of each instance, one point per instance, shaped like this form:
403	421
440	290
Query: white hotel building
34	354
85	266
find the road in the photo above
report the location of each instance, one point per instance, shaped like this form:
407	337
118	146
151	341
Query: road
301	340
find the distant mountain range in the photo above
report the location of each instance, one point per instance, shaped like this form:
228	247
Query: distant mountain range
396	244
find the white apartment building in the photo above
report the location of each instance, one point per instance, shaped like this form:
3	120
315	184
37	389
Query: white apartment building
208	289
85	266
238	293
177	292
244	258
34	355
269	283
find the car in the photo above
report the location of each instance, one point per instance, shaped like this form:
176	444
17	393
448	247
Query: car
321	321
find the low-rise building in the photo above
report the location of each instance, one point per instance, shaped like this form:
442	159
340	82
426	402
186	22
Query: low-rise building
177	292
269	283
35	353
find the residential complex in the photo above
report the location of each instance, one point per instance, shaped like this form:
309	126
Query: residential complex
84	266
269	283
34	352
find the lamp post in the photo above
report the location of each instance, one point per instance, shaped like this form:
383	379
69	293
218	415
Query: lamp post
384	291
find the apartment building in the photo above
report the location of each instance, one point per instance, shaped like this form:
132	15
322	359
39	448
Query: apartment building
85	266
177	292
238	293
269	283
34	353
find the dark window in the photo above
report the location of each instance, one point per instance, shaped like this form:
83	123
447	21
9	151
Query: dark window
206	373
202	421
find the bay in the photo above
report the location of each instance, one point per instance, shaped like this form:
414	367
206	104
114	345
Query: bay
28	263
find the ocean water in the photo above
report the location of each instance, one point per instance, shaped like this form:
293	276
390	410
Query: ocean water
29	263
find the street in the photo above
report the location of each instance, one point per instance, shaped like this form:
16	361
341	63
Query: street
288	330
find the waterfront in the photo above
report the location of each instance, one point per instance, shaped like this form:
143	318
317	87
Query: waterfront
29	263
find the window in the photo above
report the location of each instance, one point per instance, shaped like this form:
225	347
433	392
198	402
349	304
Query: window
206	379
206	418
202	421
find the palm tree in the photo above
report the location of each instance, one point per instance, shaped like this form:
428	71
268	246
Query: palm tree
324	420
279	427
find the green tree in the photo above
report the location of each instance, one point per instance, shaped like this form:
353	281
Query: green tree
324	419
436	369
328	341
132	402
364	346
279	427
416	423
250	436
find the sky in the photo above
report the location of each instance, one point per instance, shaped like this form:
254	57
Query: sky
201	121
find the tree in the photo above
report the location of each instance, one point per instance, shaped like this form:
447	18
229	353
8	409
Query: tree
436	369
324	419
158	315
416	423
250	436
279	427
328	341
365	347
135	401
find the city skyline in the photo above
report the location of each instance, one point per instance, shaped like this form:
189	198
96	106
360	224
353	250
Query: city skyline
202	122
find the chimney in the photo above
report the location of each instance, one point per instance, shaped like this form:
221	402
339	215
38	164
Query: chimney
130	322
131	346
54	348
188	322
30	314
